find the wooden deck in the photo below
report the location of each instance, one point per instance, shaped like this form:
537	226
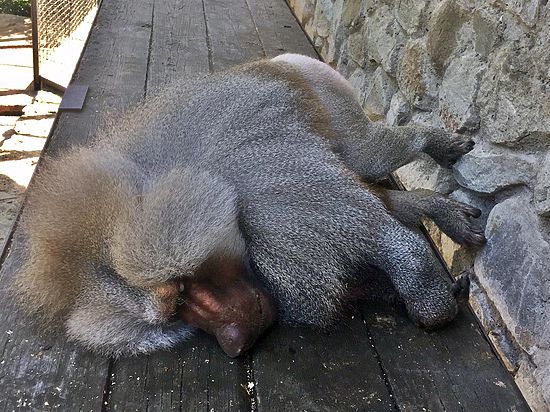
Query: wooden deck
377	361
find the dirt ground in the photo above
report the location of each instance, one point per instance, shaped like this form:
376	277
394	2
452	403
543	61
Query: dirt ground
26	117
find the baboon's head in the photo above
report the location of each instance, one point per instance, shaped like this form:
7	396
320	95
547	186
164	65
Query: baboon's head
181	242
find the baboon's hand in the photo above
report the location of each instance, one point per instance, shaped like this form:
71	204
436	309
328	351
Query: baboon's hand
446	148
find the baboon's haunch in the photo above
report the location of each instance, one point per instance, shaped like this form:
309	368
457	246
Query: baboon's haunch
231	200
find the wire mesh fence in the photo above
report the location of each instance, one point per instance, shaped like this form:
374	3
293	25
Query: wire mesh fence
62	27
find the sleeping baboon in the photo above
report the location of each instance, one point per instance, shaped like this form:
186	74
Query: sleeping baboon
232	200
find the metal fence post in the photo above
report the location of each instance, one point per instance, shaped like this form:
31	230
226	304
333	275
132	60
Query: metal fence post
35	45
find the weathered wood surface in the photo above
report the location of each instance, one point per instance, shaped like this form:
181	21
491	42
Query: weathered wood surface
377	361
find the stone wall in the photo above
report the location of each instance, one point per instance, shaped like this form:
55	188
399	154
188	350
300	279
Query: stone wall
481	68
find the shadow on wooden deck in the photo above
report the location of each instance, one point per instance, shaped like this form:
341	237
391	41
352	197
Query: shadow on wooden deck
376	361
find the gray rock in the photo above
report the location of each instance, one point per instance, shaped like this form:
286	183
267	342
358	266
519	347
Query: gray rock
457	98
409	14
303	9
399	112
427	119
385	41
358	80
379	94
487	171
351	13
514	270
487	32
541	195
321	21
472	198
356	48
514	97
424	173
444	24
526	10
416	77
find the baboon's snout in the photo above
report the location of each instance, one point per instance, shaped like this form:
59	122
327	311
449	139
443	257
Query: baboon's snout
229	306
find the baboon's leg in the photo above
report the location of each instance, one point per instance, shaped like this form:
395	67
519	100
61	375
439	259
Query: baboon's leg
417	276
373	150
451	216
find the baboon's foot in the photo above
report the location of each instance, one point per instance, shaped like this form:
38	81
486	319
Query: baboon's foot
433	312
456	220
461	288
446	148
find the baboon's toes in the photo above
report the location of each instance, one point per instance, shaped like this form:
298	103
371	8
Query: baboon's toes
467	233
471	211
458	145
461	288
475	237
466	209
459	225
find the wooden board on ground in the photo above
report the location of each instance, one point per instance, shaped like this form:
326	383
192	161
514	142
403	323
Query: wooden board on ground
451	369
232	35
308	370
178	48
278	31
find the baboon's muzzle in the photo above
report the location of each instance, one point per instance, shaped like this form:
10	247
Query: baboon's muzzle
223	300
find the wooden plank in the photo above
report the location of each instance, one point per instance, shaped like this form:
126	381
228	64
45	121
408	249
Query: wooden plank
114	65
42	371
178	46
307	370
232	33
452	369
45	372
197	376
278	29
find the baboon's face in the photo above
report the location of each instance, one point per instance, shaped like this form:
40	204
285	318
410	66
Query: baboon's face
224	300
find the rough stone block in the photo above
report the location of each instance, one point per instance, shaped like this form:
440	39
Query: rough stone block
321	18
541	195
424	173
444	24
356	48
526	10
399	112
514	270
409	14
379	94
487	32
458	93
514	97
385	40
487	171
416	77
303	9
